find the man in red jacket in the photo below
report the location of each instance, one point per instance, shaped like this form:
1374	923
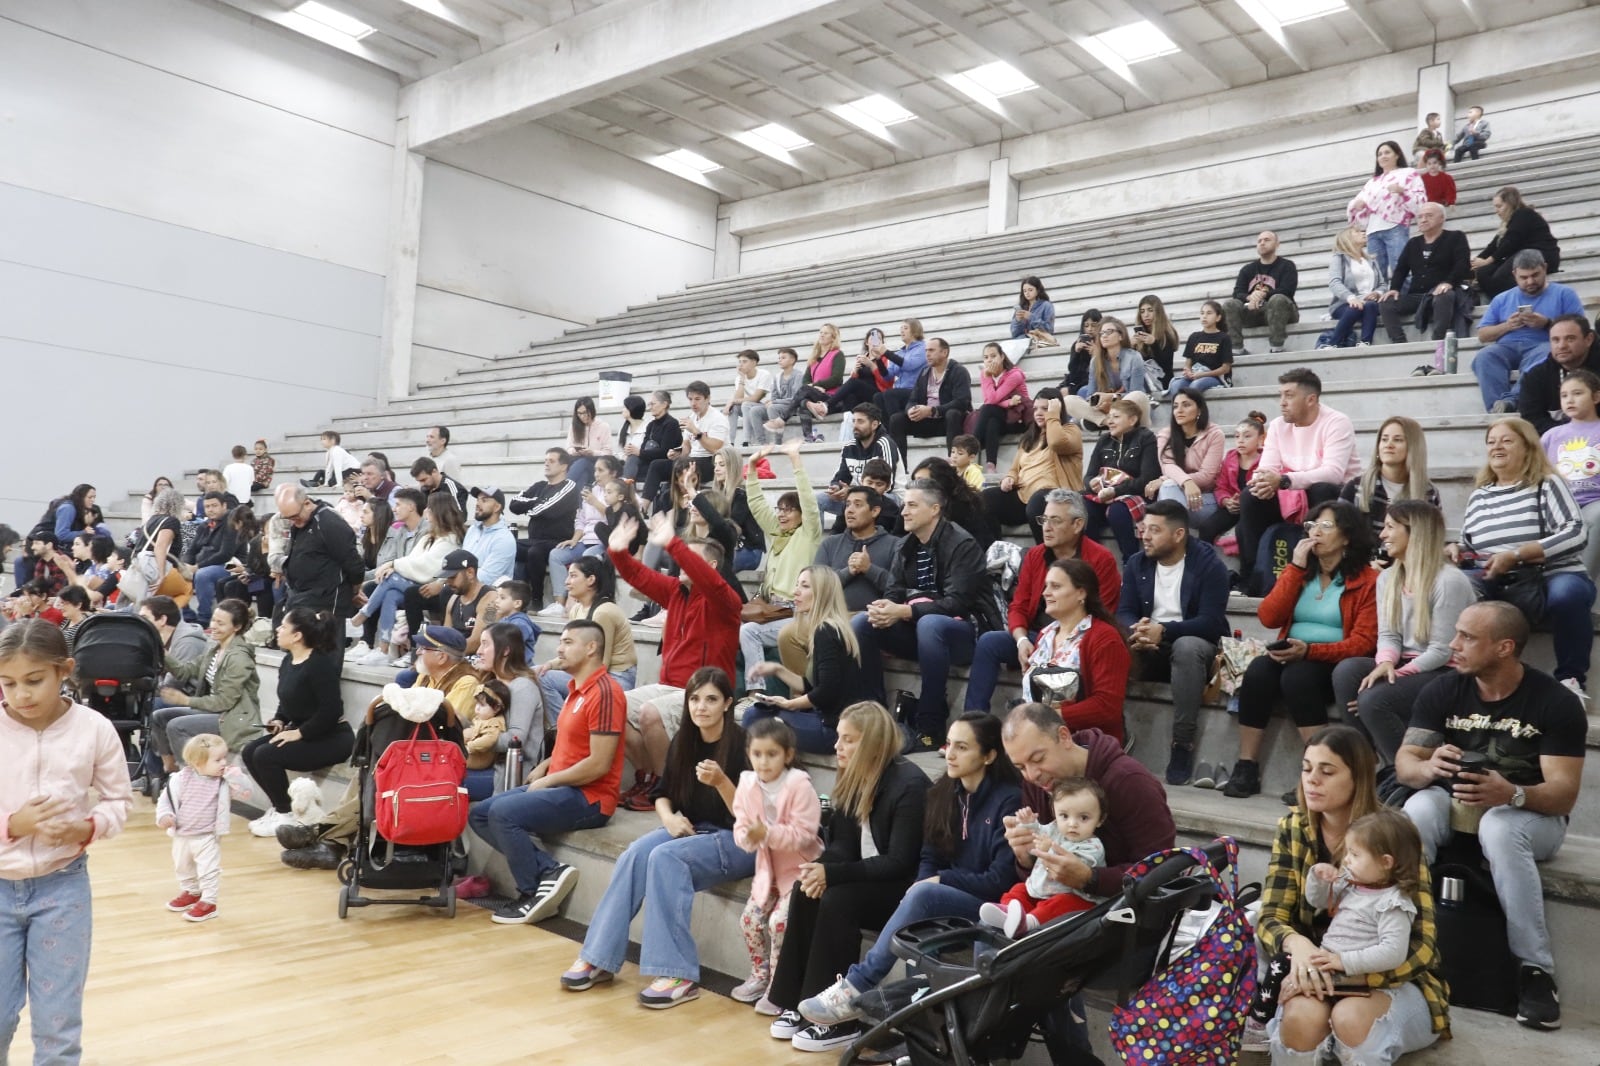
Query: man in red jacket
1062	527
702	629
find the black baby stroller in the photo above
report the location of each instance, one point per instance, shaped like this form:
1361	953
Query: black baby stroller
120	662
977	996
376	863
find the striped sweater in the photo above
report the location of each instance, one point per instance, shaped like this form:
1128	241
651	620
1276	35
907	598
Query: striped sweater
1500	517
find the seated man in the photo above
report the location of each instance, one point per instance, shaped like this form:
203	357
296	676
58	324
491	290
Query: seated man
438	444
1263	295
751	386
552	509
937	604
1434	269
1062	526
1572	348
868	441
793	532
1309	454
1528	733
489	536
939	403
702	629
431	479
212	546
1175	607
473	606
878	476
375	483
575	788
1515	330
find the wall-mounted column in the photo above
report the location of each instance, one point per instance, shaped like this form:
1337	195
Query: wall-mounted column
1002	196
725	252
400	275
1435	94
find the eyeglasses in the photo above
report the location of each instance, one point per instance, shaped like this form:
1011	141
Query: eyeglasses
1113	332
1327	525
1051	521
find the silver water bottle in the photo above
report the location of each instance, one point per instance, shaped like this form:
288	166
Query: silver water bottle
513	772
1450	346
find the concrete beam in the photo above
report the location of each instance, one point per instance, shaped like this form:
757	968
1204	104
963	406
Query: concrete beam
857	77
1475	15
719	149
606	111
270	12
462	19
991	42
759	113
1080	48
1369	22
377	16
576	123
1274	29
1193	50
589	56
869	153
1003	191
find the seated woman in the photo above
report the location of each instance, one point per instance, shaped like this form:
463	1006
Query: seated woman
1407	1008
1355	282
870	856
1082	353
158	543
1115	370
1520	227
147	502
445	532
833	664
309	732
962	504
1049	456
1420	596
252	579
588	438
1123	463
1033	309
592	594
1154	336
1523	515
871	372
630	436
692	851
1190	452
228	700
585	539
1324	607
1399	471
1207	354
728	478
1237	467
824	376
1080	664
966	861
503	656
1005	403
1569	447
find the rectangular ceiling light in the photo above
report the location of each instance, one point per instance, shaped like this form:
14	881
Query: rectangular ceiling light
1135	42
774	140
688	160
875	114
1288	12
999	79
337	21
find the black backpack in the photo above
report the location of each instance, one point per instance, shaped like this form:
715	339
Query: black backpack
1272	555
1475	957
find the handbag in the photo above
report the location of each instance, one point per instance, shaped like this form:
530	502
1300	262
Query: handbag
1524	588
760	611
418	791
1055	685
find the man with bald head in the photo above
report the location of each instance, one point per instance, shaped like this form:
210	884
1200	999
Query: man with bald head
1430	280
1263	295
323	567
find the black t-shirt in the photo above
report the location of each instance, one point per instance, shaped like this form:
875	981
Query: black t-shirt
1542	717
151	529
1210	350
705	806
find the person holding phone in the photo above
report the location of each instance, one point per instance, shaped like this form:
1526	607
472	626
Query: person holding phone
1325	608
833	664
1515	330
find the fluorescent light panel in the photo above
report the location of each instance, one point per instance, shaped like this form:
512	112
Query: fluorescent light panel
334	20
1288	12
1135	42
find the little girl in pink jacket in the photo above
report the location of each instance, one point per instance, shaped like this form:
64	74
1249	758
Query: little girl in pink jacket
777	815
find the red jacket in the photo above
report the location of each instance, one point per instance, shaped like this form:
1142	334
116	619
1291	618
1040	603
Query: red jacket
702	621
1104	663
1026	598
1358	613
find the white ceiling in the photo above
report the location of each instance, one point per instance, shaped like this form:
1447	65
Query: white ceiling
904	49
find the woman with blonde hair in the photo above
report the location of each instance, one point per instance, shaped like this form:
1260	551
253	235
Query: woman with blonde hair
1520	227
871	849
1523	536
824	376
1115	370
833	664
1399	471
1357	283
1420	596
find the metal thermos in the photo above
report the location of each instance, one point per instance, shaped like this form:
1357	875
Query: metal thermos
1452	890
513	771
1450	346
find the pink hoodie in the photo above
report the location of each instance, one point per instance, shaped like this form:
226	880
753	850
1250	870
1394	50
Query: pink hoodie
1322	453
791	840
78	758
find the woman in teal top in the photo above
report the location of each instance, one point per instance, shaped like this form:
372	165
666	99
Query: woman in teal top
1325	608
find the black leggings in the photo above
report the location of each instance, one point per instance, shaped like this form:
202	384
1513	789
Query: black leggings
824	936
1305	687
1007	509
269	763
856	390
990	428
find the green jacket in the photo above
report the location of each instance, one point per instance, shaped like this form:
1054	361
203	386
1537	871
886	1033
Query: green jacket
234	693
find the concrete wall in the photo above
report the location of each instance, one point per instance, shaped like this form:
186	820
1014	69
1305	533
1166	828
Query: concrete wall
532	232
193	214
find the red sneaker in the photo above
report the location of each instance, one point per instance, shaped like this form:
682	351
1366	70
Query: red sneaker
638	797
201	912
182	902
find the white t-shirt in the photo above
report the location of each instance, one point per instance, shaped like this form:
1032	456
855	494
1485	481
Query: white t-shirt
869	847
713	424
239	476
1168	605
761	383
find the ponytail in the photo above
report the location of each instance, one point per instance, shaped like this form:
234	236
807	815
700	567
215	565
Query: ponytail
317	628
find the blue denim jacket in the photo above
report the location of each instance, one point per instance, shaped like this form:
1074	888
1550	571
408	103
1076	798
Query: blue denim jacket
1041	316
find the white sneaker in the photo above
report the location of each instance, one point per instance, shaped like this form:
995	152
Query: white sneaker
404	662
1571	684
834	1005
374	658
267	824
554	610
355	654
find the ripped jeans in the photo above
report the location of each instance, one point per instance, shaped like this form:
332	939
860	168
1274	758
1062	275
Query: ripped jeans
1405	1027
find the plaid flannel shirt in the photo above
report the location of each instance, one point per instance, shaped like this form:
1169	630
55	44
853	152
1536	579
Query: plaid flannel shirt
1284	910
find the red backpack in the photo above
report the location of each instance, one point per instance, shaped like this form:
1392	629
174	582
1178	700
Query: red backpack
417	786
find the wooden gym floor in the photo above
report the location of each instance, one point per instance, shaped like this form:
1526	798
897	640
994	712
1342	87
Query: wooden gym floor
277	978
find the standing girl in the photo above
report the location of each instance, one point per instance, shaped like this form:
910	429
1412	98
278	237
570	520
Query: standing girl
194	808
57	753
776	815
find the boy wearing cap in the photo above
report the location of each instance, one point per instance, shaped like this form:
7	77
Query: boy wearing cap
489	536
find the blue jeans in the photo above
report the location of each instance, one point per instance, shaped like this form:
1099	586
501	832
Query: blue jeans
1347	317
46	925
553	687
1493	365
1207	508
387	600
506	822
667	871
1114	514
811	734
995	649
921	902
561	558
935	642
206	580
1385	247
581	472
1197	385
747	559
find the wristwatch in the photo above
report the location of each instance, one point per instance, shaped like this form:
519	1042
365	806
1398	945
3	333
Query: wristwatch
1519	797
1283	481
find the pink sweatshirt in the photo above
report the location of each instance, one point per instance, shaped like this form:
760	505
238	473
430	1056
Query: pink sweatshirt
1378	200
78	758
791	840
1322	453
1202	461
1011	383
600	441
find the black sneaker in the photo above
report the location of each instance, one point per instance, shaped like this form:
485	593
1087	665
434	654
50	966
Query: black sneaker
519	911
1244	781
1291	798
785	1025
555	887
827	1037
1180	765
299	835
649	610
1538	1005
